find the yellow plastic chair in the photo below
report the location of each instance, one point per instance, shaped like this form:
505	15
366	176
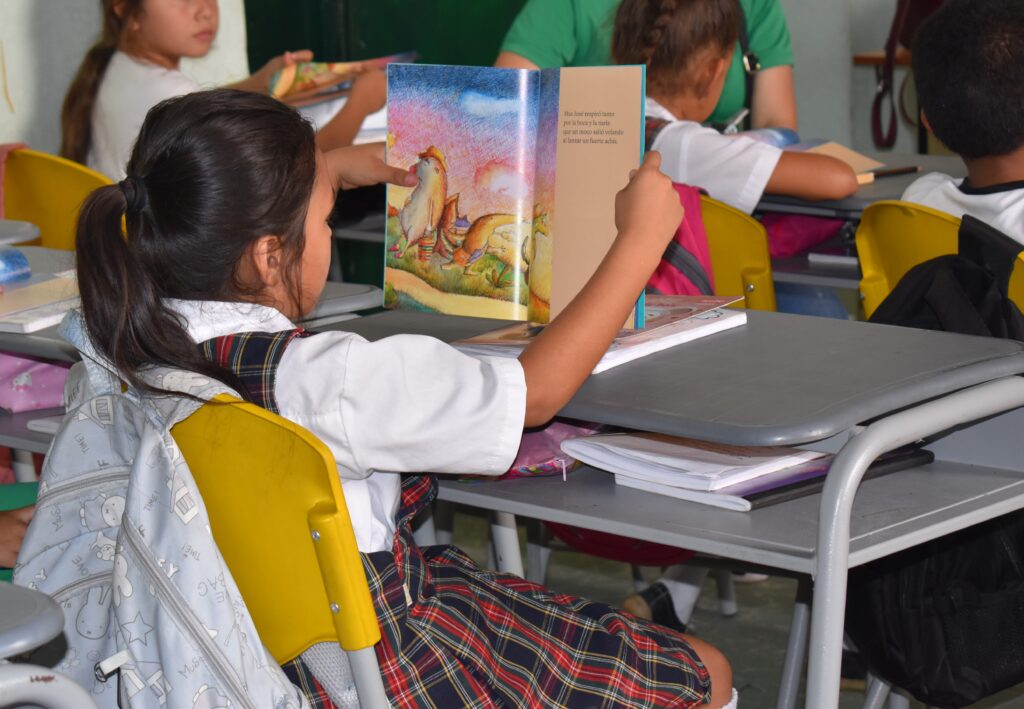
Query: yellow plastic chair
893	237
278	515
739	254
48	191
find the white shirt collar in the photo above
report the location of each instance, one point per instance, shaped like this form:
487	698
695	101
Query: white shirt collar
656	110
206	319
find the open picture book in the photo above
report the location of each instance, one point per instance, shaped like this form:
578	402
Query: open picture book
518	171
671	320
308	83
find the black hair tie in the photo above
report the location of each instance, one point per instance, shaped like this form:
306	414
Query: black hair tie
134	191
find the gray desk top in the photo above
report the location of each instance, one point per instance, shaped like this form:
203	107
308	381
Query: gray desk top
881	189
337	298
28	619
749	386
890	513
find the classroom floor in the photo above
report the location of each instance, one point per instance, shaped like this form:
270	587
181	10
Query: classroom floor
754	639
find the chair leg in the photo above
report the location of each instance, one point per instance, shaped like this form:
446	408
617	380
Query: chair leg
639	582
898	700
796	648
444	521
369	683
505	540
726	592
877	692
538	551
425	535
23	465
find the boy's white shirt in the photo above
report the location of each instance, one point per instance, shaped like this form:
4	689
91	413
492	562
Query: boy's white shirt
405	403
128	90
732	169
1002	207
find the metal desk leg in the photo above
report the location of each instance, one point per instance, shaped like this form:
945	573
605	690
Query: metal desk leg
505	538
833	547
796	649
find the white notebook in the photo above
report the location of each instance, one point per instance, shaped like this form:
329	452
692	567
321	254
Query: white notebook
38	304
682	462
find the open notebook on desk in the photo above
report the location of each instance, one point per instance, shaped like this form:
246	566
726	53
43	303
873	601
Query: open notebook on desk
38	303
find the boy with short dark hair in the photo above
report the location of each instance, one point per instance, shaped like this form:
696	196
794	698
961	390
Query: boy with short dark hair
968	61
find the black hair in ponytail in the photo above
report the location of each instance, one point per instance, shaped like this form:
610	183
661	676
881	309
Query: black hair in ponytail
210	174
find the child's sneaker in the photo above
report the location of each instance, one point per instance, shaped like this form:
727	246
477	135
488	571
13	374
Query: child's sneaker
654	603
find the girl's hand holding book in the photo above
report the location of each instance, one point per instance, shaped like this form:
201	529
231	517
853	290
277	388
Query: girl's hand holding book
363	165
260	80
648	211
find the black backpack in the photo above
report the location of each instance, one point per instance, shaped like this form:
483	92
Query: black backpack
964	292
945	620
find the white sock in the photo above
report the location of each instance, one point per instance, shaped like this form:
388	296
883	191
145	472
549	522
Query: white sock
734	701
684	583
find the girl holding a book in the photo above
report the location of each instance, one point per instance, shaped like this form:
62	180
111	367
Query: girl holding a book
203	282
136	64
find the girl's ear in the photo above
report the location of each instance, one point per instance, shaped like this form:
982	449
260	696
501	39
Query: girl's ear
267	263
711	76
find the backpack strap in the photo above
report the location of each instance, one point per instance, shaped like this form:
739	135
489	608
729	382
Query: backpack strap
751	65
989	248
652	129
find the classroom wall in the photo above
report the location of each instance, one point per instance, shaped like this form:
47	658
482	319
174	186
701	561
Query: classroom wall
43	42
833	97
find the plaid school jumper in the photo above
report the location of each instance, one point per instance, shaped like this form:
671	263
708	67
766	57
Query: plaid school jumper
453	635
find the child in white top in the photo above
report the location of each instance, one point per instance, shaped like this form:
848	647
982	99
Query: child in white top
966	63
227	243
687	48
135	65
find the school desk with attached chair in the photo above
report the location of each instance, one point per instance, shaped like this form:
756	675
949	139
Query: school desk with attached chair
856	389
272	492
834	264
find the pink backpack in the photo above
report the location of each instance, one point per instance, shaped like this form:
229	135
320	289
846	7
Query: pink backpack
685	267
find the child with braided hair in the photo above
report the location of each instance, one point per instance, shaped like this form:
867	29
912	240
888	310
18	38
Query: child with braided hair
687	48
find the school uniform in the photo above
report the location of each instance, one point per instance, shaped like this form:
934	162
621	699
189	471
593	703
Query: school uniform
732	169
1000	206
129	88
452	634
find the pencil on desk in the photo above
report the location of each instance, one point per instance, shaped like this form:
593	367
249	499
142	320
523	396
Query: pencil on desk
894	171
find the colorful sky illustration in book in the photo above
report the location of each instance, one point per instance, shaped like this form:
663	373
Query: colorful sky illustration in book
479	126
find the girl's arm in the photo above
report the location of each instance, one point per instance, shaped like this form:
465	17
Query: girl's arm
811	176
773	104
555	364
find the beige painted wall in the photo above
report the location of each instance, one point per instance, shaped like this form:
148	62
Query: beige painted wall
43	42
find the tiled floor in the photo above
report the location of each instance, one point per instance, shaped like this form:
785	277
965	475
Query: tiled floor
754	639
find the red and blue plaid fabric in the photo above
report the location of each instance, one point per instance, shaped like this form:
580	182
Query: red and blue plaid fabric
454	635
253	357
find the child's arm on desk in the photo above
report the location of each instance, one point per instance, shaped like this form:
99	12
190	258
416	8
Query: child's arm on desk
811	176
555	364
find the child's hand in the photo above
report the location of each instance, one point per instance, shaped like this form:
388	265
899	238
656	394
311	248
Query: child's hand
648	208
362	165
13	524
261	79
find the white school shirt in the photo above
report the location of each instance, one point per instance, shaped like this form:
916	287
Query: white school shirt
1000	206
732	169
129	88
405	403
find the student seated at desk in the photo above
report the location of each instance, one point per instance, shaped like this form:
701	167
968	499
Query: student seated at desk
687	47
135	65
205	283
967	63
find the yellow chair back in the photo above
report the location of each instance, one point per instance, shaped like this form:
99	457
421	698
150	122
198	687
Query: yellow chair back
48	191
893	237
279	518
739	254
